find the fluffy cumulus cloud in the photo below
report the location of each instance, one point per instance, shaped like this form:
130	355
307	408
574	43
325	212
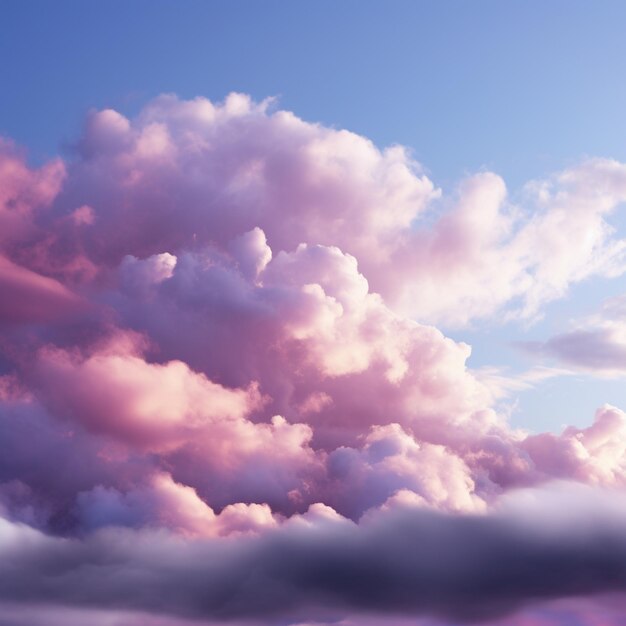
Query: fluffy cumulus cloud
223	398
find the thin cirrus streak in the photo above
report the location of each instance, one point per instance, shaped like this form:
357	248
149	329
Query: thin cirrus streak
216	403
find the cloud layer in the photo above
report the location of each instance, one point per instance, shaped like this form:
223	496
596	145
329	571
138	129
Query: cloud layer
220	397
319	565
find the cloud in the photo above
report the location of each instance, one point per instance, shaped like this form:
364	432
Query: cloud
24	192
148	404
187	173
595	454
222	398
596	344
403	560
31	297
163	503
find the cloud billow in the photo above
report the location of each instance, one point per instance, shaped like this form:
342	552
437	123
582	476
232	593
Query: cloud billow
222	396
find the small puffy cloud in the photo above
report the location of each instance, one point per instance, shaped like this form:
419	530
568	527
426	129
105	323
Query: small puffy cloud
596	454
391	462
152	405
163	503
595	344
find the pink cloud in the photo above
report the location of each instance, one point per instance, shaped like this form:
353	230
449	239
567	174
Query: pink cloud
24	192
217	368
239	165
150	405
31	297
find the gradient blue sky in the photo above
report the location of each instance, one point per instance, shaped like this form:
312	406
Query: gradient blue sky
520	88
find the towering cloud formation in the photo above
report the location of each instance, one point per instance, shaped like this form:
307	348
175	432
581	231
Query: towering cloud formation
219	399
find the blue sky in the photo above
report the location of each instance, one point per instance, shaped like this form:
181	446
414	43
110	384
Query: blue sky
519	88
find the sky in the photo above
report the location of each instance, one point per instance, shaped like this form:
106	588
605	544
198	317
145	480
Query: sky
312	313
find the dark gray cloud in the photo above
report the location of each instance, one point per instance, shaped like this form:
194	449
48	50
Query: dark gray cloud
402	561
